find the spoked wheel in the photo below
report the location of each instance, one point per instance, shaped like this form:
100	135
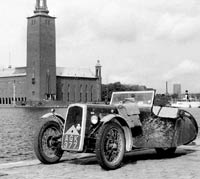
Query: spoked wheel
165	151
110	146
47	143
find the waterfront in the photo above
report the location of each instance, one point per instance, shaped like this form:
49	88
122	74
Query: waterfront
17	127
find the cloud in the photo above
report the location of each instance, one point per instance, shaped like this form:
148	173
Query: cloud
116	22
112	20
130	20
178	27
186	67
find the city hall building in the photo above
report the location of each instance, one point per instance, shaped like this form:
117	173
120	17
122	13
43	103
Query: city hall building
41	80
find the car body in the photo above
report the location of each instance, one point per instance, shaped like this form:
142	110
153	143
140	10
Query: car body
129	122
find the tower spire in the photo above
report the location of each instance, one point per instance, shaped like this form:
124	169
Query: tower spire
41	7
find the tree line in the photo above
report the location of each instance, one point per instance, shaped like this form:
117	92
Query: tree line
107	89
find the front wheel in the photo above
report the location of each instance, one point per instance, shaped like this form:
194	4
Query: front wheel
47	142
165	151
110	146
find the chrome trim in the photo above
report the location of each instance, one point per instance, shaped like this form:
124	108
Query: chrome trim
83	125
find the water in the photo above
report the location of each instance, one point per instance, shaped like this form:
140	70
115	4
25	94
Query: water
17	128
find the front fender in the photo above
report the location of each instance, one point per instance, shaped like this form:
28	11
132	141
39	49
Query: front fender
125	127
119	118
55	116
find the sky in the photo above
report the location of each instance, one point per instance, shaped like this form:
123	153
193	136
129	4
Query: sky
137	41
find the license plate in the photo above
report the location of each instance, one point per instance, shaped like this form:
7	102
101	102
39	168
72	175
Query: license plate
71	142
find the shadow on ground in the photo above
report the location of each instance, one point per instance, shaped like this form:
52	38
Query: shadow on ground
132	157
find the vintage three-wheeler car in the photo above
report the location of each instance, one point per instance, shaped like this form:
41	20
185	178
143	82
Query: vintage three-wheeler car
129	122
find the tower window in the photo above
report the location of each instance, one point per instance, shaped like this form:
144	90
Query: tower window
81	90
91	93
74	93
33	21
33	81
41	3
68	93
47	21
86	93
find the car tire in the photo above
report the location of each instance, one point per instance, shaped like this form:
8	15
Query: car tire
48	148
165	151
110	146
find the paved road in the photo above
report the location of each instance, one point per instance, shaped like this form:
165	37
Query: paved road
141	165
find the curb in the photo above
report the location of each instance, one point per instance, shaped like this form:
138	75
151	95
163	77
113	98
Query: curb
25	163
19	164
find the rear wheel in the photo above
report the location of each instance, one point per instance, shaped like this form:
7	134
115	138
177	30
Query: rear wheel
165	151
110	146
47	142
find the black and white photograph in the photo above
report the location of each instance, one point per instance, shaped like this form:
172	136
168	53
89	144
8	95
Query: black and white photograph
99	89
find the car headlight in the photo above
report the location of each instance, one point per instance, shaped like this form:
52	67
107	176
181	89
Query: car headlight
94	119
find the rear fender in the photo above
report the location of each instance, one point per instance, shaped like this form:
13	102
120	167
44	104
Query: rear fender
186	128
121	121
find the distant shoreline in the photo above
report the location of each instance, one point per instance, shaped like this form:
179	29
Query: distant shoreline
19	106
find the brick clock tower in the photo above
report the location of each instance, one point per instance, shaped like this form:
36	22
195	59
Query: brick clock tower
41	54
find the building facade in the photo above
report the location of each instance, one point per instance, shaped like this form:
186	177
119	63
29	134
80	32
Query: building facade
177	89
41	80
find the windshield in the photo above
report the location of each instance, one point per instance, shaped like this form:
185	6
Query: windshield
142	98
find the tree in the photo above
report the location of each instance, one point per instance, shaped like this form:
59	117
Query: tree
107	89
162	100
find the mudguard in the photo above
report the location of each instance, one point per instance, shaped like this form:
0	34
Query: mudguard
55	116
186	129
125	126
130	122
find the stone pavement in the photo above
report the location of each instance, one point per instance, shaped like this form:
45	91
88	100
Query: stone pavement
141	165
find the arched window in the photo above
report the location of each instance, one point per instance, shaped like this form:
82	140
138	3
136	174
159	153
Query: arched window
41	3
9	100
